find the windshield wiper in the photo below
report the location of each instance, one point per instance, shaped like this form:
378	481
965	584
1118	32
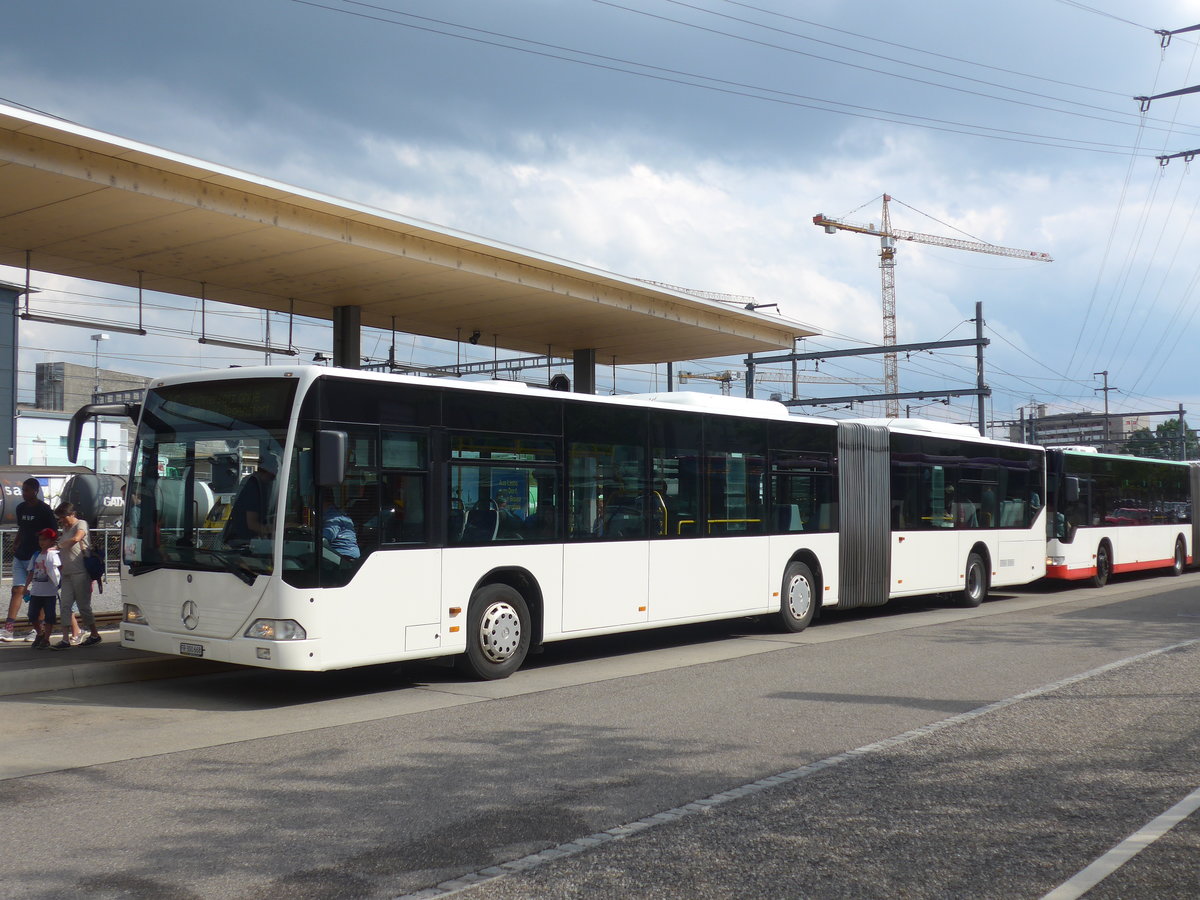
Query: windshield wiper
233	564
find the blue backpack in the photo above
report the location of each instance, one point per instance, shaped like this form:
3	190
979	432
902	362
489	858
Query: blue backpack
95	568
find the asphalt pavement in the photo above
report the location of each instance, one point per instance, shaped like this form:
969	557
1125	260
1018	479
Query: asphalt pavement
998	752
1015	799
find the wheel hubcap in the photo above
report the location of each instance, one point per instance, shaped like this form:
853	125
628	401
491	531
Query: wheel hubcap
499	632
799	597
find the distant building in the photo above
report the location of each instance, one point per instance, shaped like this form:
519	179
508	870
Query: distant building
67	386
60	389
1084	429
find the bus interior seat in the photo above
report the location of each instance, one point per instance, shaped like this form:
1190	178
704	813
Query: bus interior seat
825	517
456	521
481	525
965	514
787	518
625	523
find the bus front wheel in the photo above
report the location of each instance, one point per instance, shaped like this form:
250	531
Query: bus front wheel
975	581
798	603
1103	566
498	631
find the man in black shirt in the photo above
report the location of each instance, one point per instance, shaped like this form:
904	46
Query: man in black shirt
33	515
248	519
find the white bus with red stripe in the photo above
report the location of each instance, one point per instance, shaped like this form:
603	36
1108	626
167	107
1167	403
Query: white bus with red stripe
1110	514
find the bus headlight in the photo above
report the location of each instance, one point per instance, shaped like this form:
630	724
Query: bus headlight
1056	560
276	630
132	614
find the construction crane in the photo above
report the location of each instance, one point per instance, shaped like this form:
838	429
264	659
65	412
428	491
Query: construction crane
742	300
727	378
887	264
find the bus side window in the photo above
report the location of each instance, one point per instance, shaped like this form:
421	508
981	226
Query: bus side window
403	520
676	470
401	513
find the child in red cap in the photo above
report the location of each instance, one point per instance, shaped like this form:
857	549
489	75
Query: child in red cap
42	588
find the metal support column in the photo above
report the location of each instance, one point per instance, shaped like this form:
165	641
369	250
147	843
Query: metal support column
584	372
347	337
979	380
9	296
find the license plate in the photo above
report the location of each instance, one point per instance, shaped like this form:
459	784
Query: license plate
191	649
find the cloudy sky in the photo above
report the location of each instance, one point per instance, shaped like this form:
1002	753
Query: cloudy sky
692	143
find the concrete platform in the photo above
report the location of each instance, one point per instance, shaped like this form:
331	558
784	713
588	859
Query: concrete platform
24	670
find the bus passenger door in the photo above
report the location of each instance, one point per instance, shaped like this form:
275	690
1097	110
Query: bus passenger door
609	513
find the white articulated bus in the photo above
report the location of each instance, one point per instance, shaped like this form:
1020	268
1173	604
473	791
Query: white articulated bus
1112	514
394	518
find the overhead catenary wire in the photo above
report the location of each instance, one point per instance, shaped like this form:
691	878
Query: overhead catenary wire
1146	315
1145	311
957	59
1110	321
1097	347
835	61
724	86
1099	12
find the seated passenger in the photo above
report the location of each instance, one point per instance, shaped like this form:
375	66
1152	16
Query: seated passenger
337	531
509	523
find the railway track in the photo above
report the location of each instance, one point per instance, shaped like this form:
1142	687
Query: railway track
103	620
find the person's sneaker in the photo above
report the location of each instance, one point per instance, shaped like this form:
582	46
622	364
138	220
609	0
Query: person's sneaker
76	639
6	633
61	645
40	644
91	639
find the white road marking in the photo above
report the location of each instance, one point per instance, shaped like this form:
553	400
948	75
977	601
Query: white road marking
1087	879
580	844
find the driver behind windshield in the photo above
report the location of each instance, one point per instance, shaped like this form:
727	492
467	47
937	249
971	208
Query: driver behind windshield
248	518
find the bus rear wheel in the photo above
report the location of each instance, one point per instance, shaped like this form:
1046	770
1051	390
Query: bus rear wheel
798	601
975	582
1180	561
498	631
1103	566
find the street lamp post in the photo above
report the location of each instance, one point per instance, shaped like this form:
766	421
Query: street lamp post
96	390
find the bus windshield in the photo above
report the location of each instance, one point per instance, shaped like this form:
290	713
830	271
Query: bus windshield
203	492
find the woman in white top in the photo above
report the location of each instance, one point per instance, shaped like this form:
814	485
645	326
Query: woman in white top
76	587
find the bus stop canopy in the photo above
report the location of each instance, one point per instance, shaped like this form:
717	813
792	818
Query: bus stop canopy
85	204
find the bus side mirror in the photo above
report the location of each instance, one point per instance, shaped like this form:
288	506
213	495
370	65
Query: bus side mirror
331	458
1071	489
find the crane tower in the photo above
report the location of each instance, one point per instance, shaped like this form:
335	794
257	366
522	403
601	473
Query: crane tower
887	268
